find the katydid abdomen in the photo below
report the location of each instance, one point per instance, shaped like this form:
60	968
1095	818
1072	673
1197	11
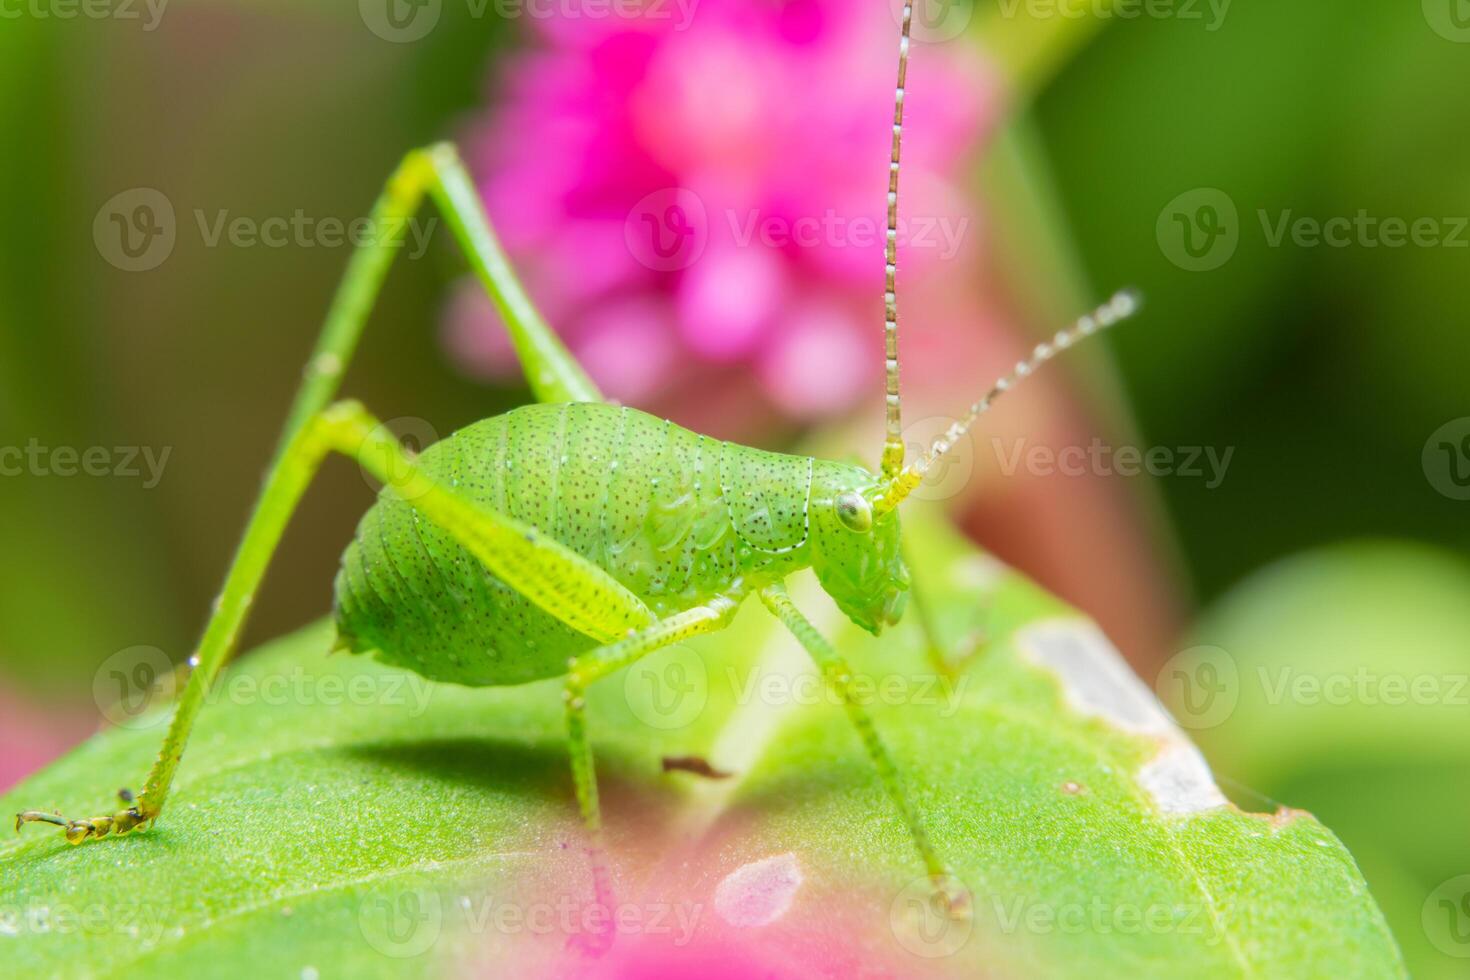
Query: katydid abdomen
676	517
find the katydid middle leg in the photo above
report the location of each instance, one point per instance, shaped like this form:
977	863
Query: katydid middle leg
595	665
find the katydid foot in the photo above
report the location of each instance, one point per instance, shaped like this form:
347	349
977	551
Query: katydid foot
136	816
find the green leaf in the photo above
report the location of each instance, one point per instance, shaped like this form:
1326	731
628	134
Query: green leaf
334	817
1343	674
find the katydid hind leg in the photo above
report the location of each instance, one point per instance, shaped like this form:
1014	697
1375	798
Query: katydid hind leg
552	372
562	582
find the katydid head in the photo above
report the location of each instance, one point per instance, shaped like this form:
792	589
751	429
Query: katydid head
854	513
855	552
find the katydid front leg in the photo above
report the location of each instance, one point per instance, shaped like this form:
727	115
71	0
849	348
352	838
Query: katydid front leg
838	675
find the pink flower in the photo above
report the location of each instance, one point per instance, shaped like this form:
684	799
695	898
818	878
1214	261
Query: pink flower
700	205
34	735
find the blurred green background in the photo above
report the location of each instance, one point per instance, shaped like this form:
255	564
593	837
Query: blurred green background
1329	550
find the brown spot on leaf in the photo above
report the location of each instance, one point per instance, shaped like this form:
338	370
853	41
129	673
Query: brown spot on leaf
694	764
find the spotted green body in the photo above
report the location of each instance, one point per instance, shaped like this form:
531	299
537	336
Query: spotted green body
676	517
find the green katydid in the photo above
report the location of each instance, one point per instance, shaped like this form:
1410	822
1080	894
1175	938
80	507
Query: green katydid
570	537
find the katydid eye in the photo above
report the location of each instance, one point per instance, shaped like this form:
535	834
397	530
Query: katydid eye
854	512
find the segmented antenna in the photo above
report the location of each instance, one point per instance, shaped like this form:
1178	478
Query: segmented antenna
1123	305
893	440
